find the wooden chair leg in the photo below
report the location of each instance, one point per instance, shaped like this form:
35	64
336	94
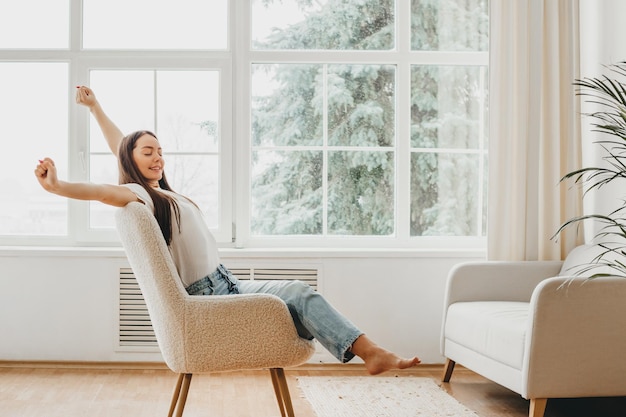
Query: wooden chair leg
281	389
447	370
537	407
175	395
279	396
179	398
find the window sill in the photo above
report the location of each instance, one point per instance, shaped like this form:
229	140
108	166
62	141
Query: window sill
350	253
118	252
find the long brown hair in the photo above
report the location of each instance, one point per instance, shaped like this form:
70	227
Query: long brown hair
164	205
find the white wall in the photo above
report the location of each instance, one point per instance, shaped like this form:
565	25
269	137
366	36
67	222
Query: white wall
602	43
60	305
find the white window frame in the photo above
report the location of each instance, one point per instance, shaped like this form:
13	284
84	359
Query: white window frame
81	62
403	58
79	210
234	65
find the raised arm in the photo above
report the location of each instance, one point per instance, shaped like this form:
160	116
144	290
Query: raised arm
112	134
113	195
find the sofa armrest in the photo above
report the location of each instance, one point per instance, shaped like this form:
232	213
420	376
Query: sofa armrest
575	340
494	281
497	280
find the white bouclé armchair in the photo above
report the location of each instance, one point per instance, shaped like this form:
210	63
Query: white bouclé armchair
537	329
203	334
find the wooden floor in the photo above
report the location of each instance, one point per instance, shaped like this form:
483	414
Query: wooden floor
79	390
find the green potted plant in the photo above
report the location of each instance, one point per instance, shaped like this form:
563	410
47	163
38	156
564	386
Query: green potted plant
609	94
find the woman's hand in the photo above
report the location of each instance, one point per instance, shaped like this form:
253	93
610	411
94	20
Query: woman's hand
85	96
46	174
112	134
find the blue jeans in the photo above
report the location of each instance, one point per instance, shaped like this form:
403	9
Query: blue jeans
313	316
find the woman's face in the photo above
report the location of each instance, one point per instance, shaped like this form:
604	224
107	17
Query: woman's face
148	157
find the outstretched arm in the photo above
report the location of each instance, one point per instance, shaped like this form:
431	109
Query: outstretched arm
112	134
113	195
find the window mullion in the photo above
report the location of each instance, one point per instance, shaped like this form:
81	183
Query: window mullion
403	122
325	151
241	141
403	151
76	27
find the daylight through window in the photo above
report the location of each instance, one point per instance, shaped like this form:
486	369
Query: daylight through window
333	123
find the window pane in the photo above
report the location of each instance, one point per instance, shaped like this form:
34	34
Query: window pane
323	24
32	129
196	177
448	106
41	24
361	193
187	110
286	193
287	104
102	170
186	125
445	194
361	105
292	104
128	99
155	24
449	25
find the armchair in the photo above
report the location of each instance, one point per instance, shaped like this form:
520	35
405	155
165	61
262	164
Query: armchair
207	333
536	329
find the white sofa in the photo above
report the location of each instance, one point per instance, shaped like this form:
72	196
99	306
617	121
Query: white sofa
537	329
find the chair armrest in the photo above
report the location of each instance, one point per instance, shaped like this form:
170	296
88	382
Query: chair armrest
258	329
497	280
575	340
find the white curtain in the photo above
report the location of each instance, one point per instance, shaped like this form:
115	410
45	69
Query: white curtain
534	131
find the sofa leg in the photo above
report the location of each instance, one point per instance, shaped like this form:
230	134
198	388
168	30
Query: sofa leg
537	407
447	370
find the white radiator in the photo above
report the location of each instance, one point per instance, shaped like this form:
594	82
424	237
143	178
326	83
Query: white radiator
135	327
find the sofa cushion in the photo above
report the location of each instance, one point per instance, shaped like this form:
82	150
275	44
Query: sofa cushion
495	329
583	261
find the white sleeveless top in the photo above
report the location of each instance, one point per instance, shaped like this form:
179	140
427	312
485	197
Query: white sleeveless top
193	248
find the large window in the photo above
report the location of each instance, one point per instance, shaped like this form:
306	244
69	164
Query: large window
368	120
335	122
162	66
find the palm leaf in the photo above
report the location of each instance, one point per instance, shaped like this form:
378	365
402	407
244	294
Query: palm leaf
609	94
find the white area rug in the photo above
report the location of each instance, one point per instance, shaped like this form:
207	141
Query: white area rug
379	397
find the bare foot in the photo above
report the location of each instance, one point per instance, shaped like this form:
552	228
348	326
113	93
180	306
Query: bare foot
378	360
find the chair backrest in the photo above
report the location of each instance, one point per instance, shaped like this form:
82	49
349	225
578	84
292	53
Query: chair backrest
160	284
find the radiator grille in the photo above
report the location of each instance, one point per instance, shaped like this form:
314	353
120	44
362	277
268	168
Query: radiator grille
135	327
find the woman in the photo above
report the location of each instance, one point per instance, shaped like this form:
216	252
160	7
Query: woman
194	249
